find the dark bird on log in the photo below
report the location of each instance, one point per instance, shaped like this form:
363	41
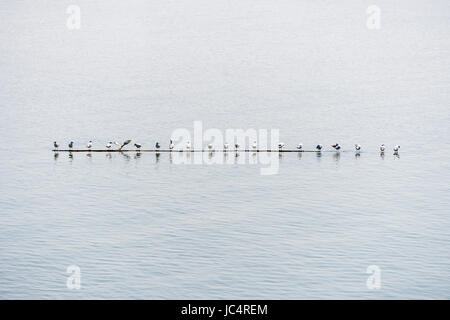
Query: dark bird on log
124	144
71	144
336	146
55	145
157	146
138	145
319	147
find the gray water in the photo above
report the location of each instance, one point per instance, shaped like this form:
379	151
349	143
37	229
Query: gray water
145	227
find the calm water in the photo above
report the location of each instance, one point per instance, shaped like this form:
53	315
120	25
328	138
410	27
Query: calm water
145	227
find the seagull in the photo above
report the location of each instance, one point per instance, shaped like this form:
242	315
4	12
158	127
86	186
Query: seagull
300	146
188	145
89	145
71	144
382	148
138	145
157	146
210	146
254	145
357	147
281	145
55	145
117	144
225	146
109	144
124	144
396	149
319	147
171	145
236	146
336	146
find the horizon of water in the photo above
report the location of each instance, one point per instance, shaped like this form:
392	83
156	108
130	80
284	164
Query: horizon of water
143	226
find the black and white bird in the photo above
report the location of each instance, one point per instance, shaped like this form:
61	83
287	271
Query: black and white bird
336	146
236	146
357	147
109	145
55	145
319	147
138	145
210	146
188	145
225	146
171	145
124	144
157	146
382	148
255	145
300	146
89	145
396	149
281	145
70	144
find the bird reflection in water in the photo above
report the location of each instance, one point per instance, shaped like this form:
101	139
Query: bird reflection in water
137	155
125	156
157	155
337	156
56	155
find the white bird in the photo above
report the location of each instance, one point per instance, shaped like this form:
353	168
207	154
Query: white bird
225	146
319	147
396	149
55	145
254	146
300	146
357	147
281	145
171	145
336	146
382	148
109	144
89	145
188	144
117	144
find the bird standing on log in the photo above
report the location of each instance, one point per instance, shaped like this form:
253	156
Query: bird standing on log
124	144
382	148
336	146
396	149
138	145
109	145
157	146
171	145
89	145
70	144
357	147
319	147
55	145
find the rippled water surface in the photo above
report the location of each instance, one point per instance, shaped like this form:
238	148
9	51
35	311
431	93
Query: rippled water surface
145	226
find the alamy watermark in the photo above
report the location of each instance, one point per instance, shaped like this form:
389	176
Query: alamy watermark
74	20
201	146
74	279
374	280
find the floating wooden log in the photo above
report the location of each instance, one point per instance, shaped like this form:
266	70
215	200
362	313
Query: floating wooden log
174	151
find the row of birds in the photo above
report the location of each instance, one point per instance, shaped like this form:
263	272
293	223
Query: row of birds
226	146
